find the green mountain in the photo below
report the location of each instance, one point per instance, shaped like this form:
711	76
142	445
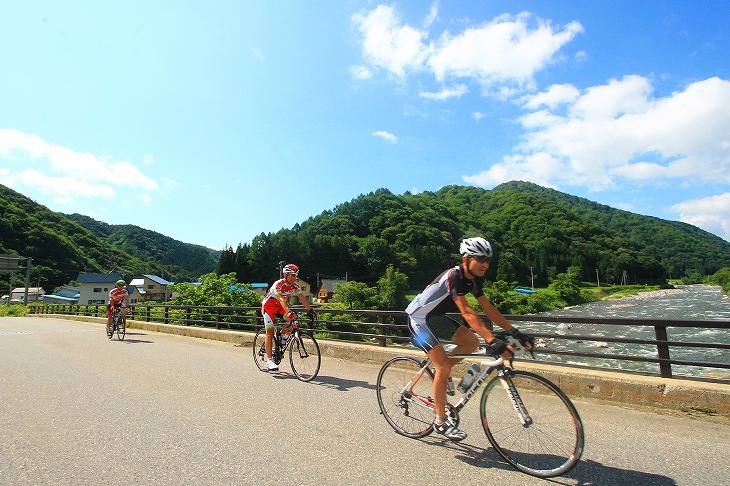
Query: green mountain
61	248
535	231
185	260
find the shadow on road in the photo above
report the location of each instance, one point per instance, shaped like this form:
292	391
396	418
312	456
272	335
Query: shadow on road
341	384
585	473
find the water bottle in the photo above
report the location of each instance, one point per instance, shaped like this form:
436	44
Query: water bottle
468	379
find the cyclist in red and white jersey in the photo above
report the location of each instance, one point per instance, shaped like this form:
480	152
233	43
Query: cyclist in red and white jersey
118	297
276	302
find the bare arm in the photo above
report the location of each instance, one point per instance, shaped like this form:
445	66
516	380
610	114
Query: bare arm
304	302
493	313
473	319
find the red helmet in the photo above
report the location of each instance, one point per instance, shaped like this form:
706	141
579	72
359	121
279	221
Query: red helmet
291	269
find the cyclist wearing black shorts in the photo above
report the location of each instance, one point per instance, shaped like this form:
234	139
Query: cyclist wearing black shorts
429	324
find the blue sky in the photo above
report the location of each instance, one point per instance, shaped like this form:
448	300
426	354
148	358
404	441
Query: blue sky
212	122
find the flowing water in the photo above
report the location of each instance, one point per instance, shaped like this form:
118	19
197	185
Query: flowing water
695	302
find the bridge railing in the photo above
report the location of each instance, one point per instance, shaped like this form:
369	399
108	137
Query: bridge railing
389	328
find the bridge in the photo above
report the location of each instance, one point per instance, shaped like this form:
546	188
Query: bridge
160	408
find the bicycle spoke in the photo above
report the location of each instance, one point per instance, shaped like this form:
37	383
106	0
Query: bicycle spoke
405	398
549	444
304	356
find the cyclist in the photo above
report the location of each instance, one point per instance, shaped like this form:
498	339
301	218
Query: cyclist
276	303
428	323
118	297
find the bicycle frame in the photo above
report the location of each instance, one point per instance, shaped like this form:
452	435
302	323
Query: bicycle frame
488	367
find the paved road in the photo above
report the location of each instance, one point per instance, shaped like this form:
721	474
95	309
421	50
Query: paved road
76	408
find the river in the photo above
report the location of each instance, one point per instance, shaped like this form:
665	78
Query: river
693	302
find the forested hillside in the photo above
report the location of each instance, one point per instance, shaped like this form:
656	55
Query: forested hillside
536	231
185	260
61	248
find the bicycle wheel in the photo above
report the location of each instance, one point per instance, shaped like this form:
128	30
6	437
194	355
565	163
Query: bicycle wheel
121	327
550	443
304	356
405	399
259	349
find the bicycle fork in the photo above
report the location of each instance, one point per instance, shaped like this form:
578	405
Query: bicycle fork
514	397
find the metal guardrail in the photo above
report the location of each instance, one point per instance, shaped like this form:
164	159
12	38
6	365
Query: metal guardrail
390	327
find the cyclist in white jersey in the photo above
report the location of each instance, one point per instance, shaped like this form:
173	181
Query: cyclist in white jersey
429	324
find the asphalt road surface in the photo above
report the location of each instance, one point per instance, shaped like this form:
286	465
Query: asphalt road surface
77	408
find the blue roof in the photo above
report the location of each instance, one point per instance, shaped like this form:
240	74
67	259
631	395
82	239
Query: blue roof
157	279
259	285
98	277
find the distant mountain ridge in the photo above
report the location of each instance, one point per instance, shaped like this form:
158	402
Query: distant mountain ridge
177	257
535	231
61	246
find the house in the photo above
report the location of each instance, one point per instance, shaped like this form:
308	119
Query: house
260	288
152	288
94	287
306	291
63	295
35	294
327	289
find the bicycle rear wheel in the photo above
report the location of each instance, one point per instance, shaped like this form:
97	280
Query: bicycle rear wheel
259	349
304	356
121	327
550	443
405	399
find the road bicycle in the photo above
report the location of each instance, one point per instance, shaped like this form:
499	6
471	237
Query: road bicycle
304	356
528	420
119	324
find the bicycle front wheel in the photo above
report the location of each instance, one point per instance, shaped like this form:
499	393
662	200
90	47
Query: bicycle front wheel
121	327
304	356
259	349
545	439
405	397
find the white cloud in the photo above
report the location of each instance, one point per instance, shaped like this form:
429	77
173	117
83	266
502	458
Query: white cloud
710	213
446	93
506	51
360	72
385	136
618	132
62	172
477	115
388	44
554	96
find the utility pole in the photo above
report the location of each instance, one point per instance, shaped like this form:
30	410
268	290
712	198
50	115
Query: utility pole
532	279
281	268
597	279
27	280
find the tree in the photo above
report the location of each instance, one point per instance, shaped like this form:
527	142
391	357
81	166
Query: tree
392	290
215	290
356	295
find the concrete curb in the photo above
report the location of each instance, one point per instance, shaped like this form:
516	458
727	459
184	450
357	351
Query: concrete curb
701	399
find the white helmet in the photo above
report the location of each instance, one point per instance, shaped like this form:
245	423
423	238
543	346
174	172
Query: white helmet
476	247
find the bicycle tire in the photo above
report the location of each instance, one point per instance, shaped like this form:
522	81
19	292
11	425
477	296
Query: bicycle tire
304	356
121	327
552	444
410	412
259	349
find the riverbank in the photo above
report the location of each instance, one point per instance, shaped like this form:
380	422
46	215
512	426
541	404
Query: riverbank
649	294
